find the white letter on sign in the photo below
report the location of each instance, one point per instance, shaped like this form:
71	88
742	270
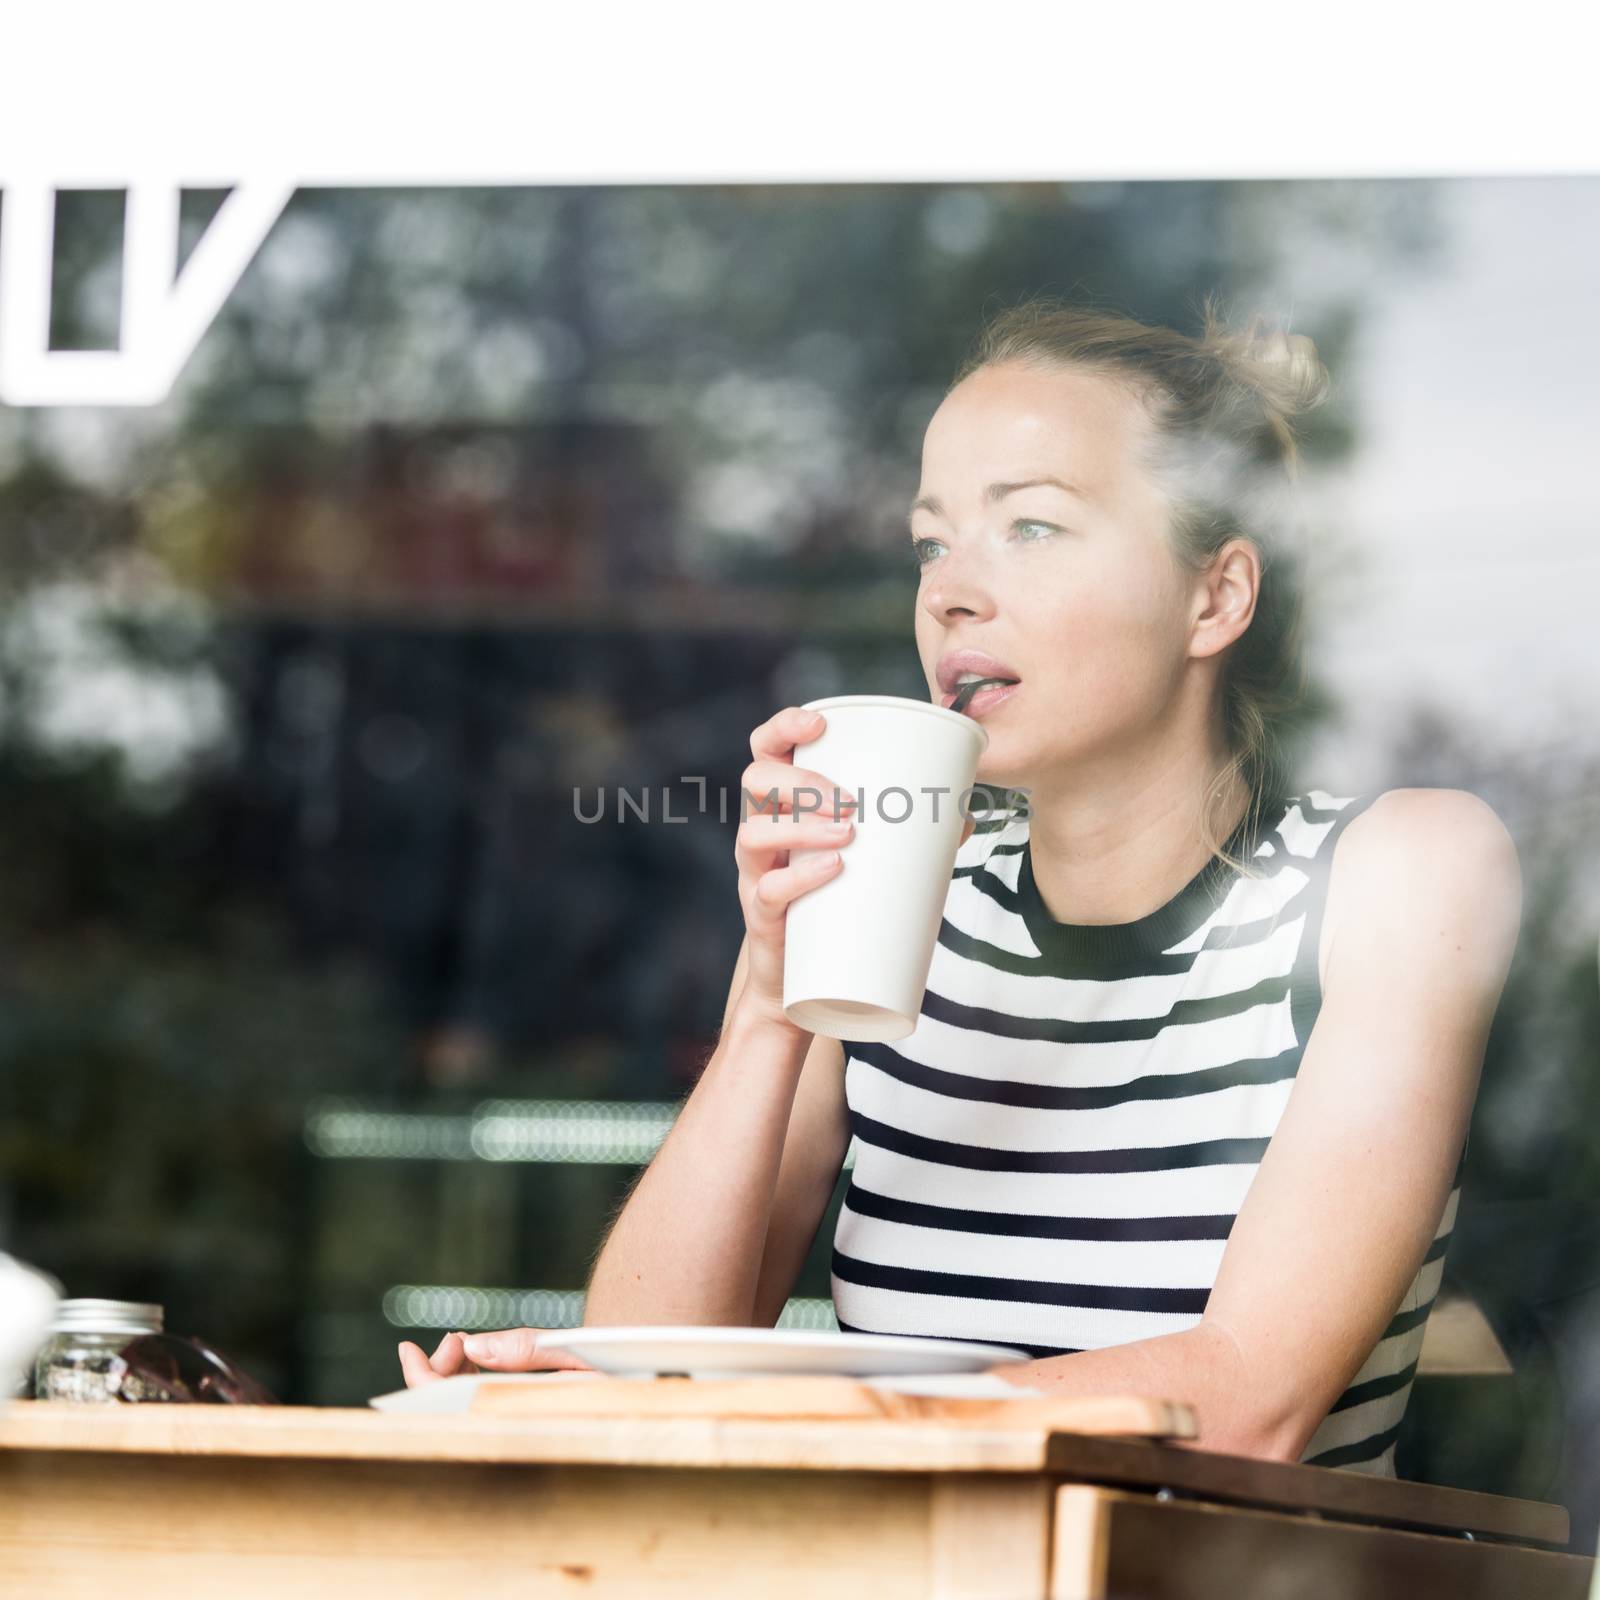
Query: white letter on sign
164	313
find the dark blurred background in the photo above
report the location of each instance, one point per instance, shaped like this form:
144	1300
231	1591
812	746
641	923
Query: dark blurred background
325	1020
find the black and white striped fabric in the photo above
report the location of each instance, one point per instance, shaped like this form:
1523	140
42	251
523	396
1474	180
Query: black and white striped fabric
1054	1158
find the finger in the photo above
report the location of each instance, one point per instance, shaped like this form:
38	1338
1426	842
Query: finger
966	829
447	1359
788	823
769	786
775	889
779	734
765	895
414	1365
518	1350
762	842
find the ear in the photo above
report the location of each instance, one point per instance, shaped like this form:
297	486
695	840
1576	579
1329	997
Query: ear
1224	598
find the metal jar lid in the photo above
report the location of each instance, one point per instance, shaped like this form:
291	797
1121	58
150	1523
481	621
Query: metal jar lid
106	1316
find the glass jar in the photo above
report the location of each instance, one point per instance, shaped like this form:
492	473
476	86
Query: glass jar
84	1340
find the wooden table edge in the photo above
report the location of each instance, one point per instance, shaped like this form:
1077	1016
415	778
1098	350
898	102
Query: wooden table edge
1278	1485
321	1432
314	1432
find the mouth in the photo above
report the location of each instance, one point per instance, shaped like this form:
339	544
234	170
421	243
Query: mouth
956	666
960	667
985	700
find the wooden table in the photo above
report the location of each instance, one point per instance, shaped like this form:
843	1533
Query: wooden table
236	1502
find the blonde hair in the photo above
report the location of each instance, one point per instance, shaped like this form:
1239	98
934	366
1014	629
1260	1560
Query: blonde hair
1223	449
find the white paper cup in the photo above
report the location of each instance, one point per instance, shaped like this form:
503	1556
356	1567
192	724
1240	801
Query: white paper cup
857	948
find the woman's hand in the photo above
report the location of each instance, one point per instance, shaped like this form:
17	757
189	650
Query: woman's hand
513	1350
767	881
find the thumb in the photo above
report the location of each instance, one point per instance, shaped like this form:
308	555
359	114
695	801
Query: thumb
966	829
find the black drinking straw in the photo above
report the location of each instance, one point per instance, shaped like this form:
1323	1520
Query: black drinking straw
965	693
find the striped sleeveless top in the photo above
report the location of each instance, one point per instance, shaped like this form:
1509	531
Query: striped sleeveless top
1054	1157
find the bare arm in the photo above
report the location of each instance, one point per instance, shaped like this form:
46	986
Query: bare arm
689	1243
813	1157
715	1229
1355	1179
718	1225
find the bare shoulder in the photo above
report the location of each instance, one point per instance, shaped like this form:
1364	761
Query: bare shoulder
1420	861
1427	829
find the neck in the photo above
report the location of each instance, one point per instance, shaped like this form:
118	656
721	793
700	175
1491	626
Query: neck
1113	841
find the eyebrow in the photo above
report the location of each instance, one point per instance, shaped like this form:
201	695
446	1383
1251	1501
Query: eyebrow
996	492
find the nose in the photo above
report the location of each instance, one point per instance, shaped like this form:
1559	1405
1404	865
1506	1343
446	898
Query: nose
958	586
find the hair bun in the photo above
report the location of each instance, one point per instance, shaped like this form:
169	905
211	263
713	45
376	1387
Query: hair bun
1279	348
1284	366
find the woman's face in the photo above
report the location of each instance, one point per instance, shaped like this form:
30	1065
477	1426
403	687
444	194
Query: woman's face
1069	586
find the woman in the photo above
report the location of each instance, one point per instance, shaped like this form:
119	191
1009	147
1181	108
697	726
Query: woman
1185	1108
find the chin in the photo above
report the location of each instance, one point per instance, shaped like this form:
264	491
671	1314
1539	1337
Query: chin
999	777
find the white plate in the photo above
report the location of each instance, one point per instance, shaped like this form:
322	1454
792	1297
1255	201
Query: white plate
743	1352
456	1394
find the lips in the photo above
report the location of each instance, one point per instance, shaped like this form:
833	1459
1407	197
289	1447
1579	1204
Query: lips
984	701
956	663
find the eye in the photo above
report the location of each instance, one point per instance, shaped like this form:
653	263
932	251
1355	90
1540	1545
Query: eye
1048	528
917	553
